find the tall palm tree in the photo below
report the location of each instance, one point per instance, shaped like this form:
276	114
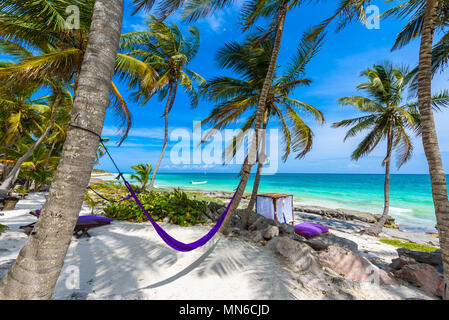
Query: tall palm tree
37	268
276	12
57	98
45	49
39	168
428	14
429	136
165	49
238	97
22	111
22	116
142	174
387	118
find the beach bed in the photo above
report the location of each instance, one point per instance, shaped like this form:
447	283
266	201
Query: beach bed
83	225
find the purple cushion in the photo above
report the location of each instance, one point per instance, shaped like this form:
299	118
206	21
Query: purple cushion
88	218
94	218
310	229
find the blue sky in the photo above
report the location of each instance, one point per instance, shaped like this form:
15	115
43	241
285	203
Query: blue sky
334	72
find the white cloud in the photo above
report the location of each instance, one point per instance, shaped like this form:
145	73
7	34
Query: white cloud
138	27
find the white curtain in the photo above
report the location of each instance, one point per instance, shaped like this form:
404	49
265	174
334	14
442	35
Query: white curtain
265	207
284	209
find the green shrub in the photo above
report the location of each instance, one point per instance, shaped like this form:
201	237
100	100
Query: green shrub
3	228
409	245
176	206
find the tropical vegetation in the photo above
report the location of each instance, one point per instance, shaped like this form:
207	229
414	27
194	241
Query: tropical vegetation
142	174
164	49
174	207
237	98
409	245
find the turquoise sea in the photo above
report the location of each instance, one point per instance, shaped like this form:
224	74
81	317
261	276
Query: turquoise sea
411	198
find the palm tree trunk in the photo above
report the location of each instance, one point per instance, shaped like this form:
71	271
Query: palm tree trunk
429	135
377	228
168	107
27	184
49	154
37	268
11	179
246	169
252	201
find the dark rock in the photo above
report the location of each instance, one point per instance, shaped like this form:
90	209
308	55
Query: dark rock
286	229
256	236
252	218
256	225
270	232
423	276
4	268
433	258
351	265
401	262
323	241
297	253
214	206
338	213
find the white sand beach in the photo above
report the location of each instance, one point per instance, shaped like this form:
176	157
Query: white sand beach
129	261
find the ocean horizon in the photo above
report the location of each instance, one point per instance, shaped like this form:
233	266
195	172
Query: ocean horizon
411	201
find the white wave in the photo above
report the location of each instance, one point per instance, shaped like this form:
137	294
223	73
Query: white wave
400	210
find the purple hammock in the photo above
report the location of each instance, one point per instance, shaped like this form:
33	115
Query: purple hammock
169	240
172	242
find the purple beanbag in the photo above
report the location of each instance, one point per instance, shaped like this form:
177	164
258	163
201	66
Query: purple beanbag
310	229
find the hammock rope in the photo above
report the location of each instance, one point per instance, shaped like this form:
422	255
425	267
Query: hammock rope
110	200
169	240
172	242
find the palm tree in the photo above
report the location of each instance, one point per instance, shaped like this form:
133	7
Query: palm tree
142	174
430	15
59	97
39	168
165	49
237	97
37	268
21	112
276	11
45	50
426	16
429	136
387	118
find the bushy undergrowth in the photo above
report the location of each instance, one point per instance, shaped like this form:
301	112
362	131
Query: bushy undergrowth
176	206
3	228
409	245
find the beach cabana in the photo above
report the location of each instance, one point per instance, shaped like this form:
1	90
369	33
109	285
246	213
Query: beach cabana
276	206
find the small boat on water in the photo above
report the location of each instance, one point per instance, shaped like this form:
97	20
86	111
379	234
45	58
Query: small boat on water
200	182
